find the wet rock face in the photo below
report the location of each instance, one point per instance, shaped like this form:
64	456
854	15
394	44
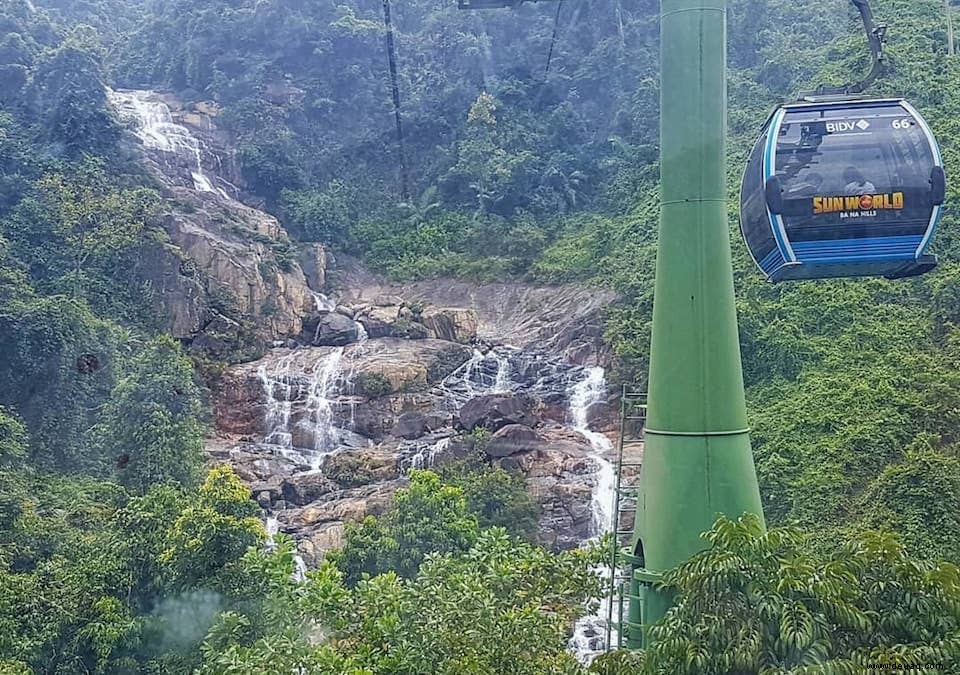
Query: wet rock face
313	261
494	411
344	422
329	329
560	476
410	365
230	258
512	439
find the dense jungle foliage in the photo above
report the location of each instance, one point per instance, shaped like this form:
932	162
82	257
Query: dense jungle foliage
119	554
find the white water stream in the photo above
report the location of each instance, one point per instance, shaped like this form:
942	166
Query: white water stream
319	425
158	131
272	526
319	428
590	631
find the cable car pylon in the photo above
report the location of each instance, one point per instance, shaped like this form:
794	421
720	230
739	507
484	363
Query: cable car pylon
697	461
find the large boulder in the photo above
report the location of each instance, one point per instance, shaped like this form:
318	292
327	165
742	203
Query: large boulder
495	411
379	321
407	365
375	418
346	505
353	468
330	329
412	425
453	324
511	440
304	488
321	539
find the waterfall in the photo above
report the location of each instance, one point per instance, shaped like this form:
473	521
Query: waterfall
585	393
501	382
362	335
279	389
323	303
419	455
157	131
302	406
484	373
587	640
324	387
272	526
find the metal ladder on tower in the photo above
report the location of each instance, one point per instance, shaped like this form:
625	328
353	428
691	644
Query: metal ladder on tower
633	417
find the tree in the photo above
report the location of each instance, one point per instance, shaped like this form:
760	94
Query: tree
151	422
70	92
501	606
496	497
321	215
757	602
212	533
13	437
94	221
918	498
427	517
58	368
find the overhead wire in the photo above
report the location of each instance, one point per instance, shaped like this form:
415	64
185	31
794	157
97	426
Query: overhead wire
553	39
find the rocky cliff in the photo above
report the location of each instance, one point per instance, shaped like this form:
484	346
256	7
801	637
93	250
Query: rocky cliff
392	377
366	378
229	274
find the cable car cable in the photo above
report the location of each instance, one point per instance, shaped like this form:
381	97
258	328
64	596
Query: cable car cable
553	39
395	92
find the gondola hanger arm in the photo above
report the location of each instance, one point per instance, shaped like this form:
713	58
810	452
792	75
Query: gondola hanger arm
876	38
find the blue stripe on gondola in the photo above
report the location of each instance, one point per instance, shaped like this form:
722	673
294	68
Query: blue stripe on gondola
776	222
873	248
771	261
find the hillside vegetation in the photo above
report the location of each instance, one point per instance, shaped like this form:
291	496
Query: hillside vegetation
117	553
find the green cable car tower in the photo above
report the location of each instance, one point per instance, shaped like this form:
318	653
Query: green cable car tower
697	461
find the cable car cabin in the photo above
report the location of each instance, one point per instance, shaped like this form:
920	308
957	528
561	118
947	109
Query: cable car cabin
843	189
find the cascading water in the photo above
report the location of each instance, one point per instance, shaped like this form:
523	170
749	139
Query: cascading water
324	386
280	390
587	640
484	373
323	303
157	131
307	400
303	405
272	526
